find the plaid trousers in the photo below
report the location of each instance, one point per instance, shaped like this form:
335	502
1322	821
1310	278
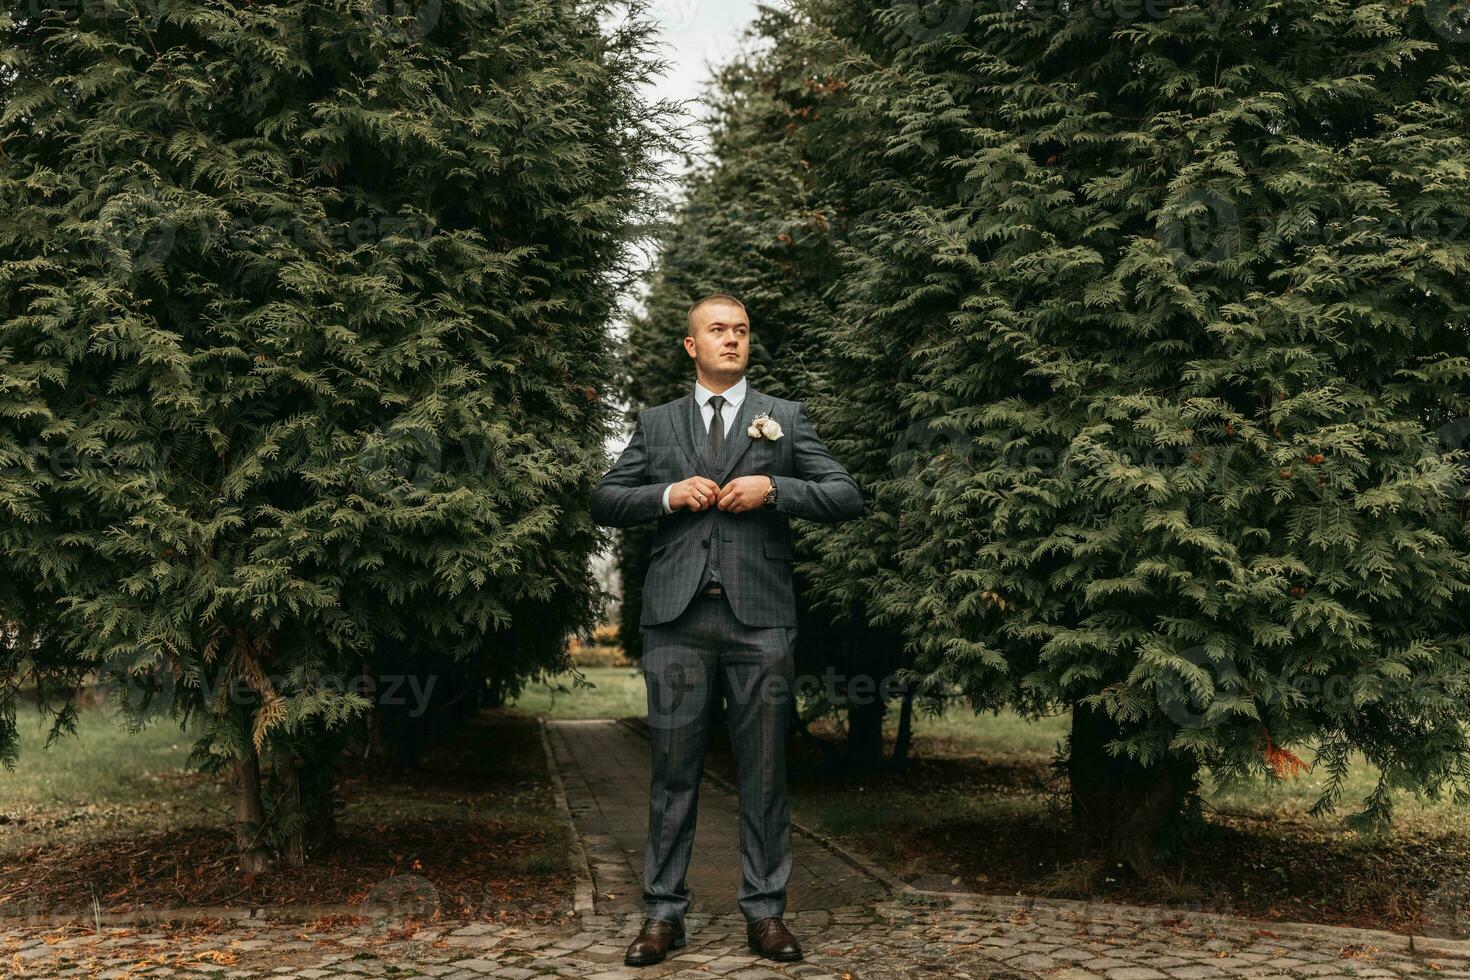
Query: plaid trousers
688	663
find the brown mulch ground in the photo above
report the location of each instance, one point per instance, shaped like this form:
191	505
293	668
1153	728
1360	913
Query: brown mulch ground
478	860
998	826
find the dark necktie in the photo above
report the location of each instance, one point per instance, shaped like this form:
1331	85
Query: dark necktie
716	444
716	428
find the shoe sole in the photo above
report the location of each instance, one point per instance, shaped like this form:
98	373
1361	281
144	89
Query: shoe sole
780	958
679	943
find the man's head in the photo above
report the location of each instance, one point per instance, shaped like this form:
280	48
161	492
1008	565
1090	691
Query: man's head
718	338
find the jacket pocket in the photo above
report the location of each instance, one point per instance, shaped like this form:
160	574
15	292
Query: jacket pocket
781	550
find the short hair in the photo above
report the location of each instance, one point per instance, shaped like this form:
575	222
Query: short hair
705	301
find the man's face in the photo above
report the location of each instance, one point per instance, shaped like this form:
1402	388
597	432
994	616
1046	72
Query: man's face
720	341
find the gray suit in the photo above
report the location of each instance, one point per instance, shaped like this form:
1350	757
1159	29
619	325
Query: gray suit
739	645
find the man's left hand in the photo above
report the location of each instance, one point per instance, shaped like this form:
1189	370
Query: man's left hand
744	493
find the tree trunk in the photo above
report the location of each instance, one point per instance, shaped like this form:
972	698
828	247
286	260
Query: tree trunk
249	812
495	693
831	752
864	749
1119	807
320	814
905	735
289	778
321	828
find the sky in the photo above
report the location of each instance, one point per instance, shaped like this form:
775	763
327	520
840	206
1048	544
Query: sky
697	35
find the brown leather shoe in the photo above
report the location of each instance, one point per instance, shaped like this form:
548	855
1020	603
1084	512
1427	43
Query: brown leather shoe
654	940
770	938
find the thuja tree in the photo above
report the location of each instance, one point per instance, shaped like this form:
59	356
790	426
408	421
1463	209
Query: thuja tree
751	222
1157	324
303	309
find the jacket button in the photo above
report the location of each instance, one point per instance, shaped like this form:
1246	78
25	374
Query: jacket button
705	542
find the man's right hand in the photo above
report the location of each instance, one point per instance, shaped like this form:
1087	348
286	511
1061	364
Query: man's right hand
695	493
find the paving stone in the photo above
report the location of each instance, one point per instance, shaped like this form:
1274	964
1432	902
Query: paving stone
874	936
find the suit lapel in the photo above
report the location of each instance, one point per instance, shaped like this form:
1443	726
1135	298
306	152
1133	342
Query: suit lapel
691	435
695	437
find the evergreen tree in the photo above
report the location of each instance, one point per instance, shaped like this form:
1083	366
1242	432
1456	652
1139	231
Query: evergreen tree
303	314
1154	320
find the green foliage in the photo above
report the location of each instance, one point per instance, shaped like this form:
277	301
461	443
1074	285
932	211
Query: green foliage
1152	326
303	317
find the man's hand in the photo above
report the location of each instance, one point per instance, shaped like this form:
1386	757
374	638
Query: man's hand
744	493
695	493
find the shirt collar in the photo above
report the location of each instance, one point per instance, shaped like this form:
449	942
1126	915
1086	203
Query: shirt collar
733	394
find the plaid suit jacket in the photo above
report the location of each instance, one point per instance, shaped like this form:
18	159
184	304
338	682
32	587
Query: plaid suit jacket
670	444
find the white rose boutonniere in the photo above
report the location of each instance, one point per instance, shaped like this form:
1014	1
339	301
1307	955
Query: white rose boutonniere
764	427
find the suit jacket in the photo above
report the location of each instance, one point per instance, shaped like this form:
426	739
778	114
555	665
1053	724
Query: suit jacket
670	444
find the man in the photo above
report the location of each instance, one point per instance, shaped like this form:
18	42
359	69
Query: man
722	470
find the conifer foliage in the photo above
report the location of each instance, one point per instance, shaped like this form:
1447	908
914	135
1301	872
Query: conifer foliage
1158	315
303	346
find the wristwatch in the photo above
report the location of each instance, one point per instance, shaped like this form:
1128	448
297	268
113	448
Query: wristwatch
770	500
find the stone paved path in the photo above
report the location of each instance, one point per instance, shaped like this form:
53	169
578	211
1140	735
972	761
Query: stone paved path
605	767
871	937
880	941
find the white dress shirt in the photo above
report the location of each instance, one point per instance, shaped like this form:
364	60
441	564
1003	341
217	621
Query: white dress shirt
733	396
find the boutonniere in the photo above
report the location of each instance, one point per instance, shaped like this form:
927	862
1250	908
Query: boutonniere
764	427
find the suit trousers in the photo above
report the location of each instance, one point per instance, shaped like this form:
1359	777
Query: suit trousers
688	664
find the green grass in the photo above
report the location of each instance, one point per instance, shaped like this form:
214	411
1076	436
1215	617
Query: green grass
619	692
616	692
106	774
103	781
960	733
102	763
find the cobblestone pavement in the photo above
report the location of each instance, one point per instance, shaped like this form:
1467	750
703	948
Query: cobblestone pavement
866	934
606	767
878	941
